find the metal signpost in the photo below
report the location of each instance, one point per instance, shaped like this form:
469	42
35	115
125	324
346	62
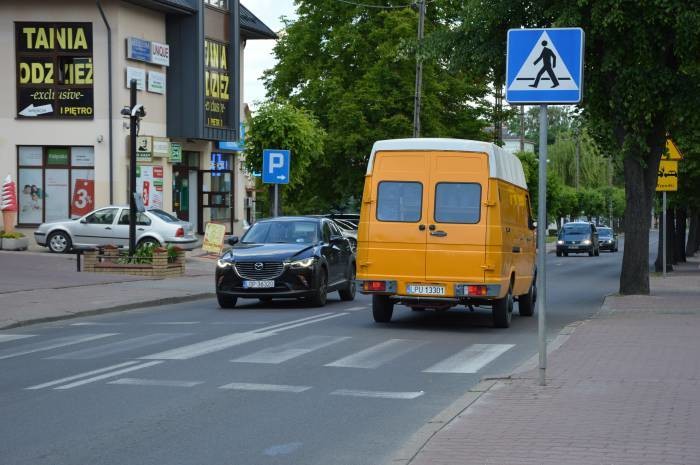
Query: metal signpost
276	165
667	181
544	67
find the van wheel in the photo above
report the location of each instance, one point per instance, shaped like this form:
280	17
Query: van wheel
503	310
526	302
382	308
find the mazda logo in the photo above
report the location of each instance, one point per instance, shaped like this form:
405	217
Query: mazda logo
258	266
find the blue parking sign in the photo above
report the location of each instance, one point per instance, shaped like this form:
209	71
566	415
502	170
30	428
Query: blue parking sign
544	66
276	166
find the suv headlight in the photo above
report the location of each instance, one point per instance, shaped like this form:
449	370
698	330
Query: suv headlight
223	263
560	242
303	263
586	242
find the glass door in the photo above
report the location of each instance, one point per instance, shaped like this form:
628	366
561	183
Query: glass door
215	199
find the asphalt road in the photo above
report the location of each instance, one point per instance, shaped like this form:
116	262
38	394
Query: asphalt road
262	384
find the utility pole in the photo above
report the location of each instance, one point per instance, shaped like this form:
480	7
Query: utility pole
419	70
578	156
522	128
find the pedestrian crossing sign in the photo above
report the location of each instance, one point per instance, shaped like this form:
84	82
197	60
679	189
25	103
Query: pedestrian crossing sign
544	66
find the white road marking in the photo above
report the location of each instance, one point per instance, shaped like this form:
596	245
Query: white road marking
119	346
231	340
174	323
291	350
355	309
377	394
13	337
155	382
377	355
282	449
471	359
81	375
265	387
95	323
54	344
111	374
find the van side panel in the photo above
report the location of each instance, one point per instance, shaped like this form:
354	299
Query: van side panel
391	243
497	261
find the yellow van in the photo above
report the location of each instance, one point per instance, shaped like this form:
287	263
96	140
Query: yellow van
446	222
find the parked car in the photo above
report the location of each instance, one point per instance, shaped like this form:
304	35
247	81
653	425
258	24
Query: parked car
578	237
446	222
110	226
287	257
607	239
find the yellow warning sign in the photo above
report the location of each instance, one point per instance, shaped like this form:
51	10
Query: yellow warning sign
672	152
667	179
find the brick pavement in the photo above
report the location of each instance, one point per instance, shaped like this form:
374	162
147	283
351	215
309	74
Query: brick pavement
624	389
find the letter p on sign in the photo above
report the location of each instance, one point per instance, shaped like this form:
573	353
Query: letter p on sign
276	162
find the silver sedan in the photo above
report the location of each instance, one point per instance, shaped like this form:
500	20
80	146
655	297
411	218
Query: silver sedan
110	226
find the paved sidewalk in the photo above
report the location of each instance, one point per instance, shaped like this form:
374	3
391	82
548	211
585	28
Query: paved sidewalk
37	287
623	389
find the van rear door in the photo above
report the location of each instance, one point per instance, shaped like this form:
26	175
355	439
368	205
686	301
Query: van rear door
397	223
456	241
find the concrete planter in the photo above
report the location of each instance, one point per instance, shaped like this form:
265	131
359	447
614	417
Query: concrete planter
14	244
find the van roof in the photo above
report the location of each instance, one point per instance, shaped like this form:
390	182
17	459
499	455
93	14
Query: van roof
502	164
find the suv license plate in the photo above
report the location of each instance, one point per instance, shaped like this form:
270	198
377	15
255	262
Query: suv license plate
425	289
258	284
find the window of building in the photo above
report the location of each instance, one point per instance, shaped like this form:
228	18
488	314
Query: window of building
222	4
55	183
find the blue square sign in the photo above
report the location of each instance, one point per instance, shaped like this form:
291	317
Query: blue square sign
544	66
276	166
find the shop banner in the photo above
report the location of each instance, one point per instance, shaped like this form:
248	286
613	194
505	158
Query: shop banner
54	70
214	238
216	79
82	200
149	185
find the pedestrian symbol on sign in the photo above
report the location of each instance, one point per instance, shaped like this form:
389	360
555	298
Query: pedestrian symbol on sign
543	65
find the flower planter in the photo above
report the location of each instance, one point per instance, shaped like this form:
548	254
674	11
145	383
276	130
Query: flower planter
159	267
21	243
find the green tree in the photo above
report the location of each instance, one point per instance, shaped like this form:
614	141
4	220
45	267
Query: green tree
280	125
348	65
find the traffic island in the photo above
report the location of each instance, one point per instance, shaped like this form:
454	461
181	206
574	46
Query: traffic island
157	262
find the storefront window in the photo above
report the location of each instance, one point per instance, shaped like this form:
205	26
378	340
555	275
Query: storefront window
55	183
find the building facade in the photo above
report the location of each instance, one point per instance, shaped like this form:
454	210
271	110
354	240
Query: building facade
63	138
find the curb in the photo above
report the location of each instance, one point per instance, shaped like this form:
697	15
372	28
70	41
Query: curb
113	309
415	444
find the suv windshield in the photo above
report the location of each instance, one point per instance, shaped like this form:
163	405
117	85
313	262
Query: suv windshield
282	232
605	232
575	230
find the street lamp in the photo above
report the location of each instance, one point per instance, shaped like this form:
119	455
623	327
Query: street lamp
135	111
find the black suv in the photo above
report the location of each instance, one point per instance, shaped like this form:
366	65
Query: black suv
287	257
578	237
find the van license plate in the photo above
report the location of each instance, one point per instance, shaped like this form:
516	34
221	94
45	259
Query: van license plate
423	289
258	284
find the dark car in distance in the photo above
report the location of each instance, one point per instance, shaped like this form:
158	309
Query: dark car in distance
287	257
578	237
607	239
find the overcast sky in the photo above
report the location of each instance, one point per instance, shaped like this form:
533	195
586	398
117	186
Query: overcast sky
258	53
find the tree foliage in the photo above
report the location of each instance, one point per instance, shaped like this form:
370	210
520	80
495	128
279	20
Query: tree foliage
349	65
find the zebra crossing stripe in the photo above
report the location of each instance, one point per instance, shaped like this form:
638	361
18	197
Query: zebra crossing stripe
290	350
471	359
377	394
377	355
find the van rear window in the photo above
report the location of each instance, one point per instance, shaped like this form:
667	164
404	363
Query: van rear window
457	203
400	201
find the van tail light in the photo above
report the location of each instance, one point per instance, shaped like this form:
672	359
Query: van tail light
180	232
477	290
375	286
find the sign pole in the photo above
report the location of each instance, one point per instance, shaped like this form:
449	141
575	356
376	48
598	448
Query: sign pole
664	235
276	200
132	168
541	246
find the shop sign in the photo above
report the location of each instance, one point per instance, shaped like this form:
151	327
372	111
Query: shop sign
161	147
57	156
149	52
149	185
82	201
236	146
54	70
138	49
160	54
217	88
144	148
175	153
138	74
213	238
156	82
